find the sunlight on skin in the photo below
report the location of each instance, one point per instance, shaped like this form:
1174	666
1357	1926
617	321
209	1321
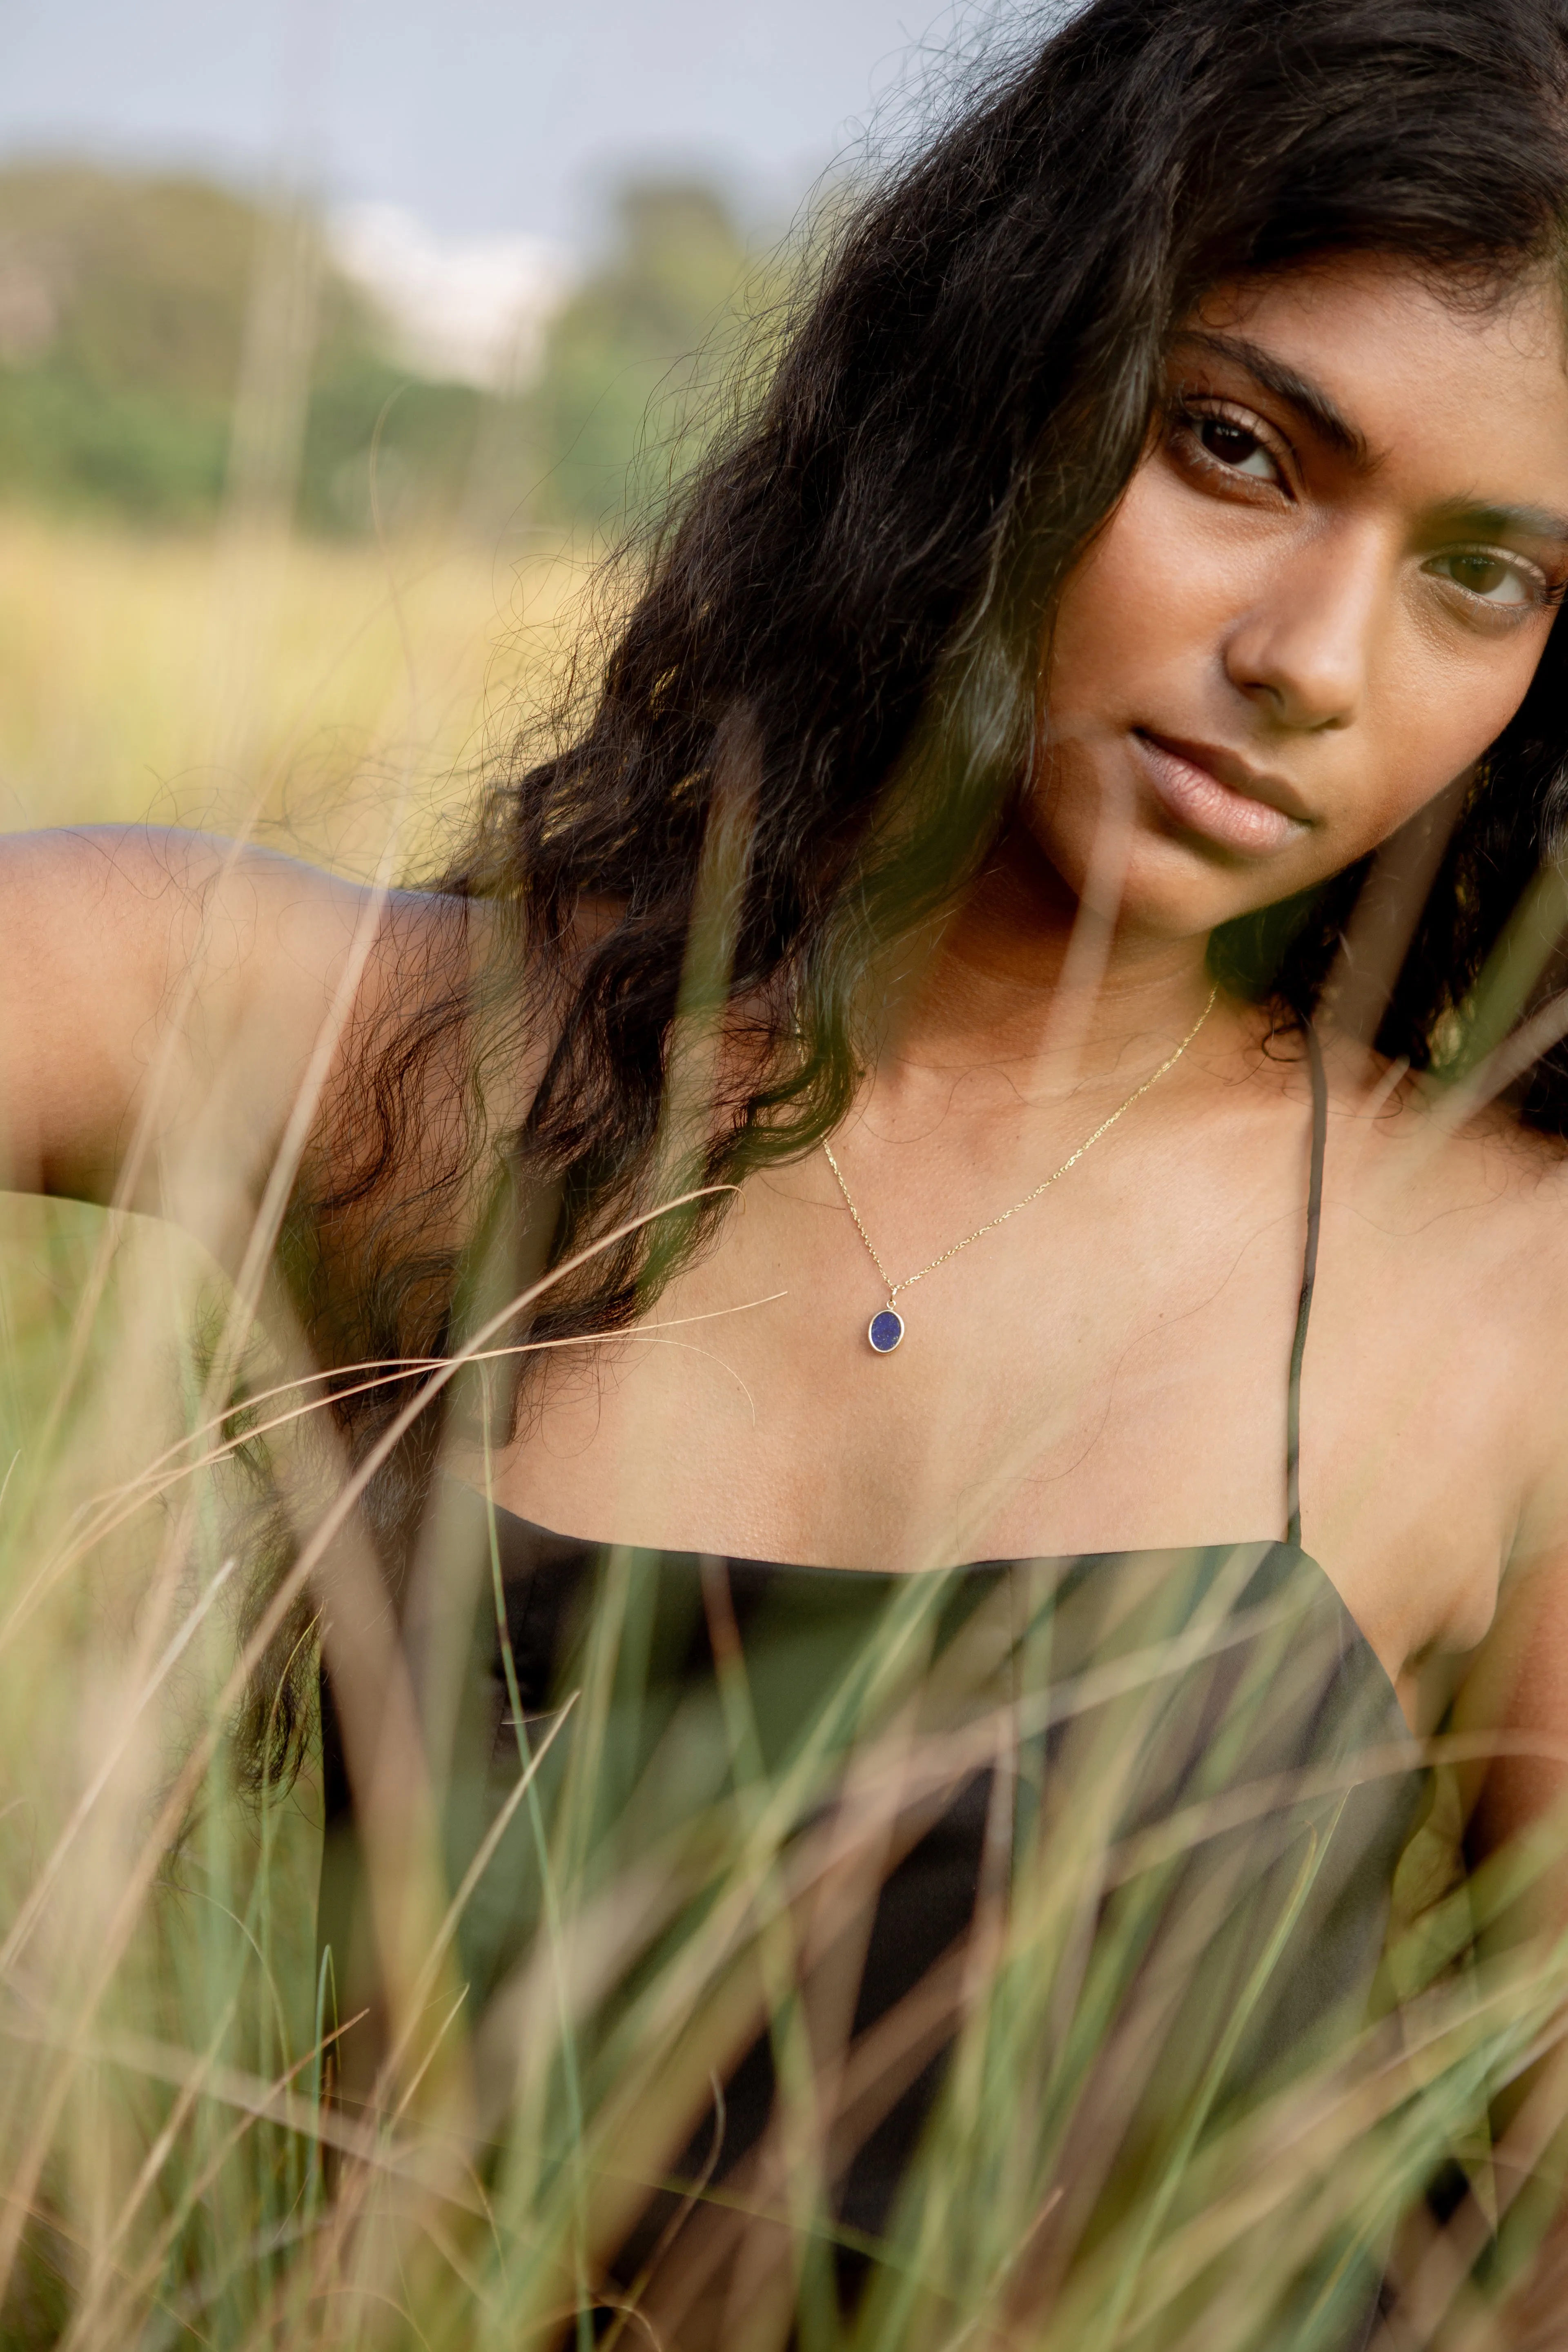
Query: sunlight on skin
1323	594
1275	652
1280	647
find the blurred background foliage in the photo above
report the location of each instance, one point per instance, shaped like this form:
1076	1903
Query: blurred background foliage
200	619
129	313
635	362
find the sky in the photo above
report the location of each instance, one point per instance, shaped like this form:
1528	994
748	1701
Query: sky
477	118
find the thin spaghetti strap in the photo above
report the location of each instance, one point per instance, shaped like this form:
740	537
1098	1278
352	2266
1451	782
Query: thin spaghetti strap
1309	1276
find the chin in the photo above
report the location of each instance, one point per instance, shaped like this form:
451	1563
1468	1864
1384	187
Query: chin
1172	892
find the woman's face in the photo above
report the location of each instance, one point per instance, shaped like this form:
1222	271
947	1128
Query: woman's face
1322	597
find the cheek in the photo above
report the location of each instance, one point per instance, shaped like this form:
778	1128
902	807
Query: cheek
1152	593
1433	711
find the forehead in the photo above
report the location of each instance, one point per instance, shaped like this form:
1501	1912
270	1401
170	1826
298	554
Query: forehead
1458	394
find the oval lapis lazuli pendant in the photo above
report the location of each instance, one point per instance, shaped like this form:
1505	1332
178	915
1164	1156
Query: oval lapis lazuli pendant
885	1331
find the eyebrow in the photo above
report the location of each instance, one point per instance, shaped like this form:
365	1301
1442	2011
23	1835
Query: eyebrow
1327	419
1530	522
1331	425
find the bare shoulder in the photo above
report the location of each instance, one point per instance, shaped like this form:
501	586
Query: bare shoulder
142	907
159	983
1523	1294
1470	1208
1453	1215
1473	1165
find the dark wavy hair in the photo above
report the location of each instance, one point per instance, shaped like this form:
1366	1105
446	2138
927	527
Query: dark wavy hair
820	703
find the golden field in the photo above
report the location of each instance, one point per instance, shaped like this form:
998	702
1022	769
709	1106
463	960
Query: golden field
173	2175
308	687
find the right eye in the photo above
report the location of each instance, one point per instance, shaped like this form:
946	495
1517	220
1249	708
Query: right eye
1231	445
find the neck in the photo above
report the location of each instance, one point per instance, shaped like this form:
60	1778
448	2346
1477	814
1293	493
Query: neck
1026	973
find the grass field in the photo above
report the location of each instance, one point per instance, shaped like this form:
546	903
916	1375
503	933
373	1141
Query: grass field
224	681
169	2178
305	691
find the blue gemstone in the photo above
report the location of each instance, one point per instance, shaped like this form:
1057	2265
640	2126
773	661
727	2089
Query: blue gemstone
885	1330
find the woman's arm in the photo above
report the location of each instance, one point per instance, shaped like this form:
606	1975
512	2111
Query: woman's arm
172	1005
1516	1696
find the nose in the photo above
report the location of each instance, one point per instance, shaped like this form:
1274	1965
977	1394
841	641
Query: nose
1303	648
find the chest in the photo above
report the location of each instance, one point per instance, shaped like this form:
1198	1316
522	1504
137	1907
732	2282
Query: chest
1109	1369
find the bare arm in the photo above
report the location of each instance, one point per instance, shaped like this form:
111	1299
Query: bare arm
1516	1696
171	1007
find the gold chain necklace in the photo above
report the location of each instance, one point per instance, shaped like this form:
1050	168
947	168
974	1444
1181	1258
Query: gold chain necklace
885	1328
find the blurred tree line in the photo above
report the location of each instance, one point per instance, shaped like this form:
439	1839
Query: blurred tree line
125	307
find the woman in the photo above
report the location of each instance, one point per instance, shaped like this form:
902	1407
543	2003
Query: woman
1083	753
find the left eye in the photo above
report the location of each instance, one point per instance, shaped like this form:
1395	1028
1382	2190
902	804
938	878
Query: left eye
1235	446
1488	576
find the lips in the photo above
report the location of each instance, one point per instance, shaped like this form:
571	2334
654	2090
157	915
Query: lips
1210	792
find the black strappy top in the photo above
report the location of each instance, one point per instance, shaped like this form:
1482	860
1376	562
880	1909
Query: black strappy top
1164	1790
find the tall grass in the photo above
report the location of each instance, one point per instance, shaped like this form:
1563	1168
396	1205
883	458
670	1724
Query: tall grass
579	1930
438	2118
